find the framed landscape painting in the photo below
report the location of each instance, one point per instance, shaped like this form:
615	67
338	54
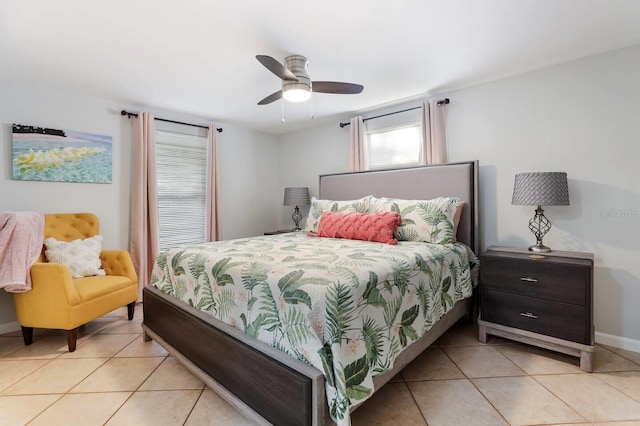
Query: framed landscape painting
60	155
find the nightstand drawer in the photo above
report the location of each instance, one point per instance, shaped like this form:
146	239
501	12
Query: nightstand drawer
550	281
556	319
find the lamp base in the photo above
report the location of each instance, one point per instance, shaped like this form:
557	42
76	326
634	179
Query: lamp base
539	225
297	217
539	248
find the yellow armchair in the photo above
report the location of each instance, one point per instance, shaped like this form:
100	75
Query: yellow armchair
59	301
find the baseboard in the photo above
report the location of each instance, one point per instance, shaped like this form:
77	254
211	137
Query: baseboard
618	341
8	327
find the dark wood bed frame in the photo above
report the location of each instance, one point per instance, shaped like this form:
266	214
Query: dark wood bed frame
265	384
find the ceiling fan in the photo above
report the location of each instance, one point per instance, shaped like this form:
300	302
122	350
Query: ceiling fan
296	84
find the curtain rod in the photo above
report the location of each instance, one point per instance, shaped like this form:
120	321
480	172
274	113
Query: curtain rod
129	114
441	102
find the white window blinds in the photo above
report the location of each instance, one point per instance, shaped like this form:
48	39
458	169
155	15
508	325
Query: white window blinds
393	148
181	168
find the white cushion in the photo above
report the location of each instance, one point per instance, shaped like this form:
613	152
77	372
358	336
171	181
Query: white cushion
82	257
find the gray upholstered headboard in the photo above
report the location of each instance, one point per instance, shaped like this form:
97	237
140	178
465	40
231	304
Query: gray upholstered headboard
418	183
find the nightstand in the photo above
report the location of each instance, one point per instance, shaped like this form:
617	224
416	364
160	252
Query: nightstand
543	299
279	231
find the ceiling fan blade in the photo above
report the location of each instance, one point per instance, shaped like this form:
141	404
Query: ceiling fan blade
276	67
271	98
336	87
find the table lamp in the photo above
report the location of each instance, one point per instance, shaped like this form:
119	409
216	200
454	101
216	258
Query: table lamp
296	196
540	189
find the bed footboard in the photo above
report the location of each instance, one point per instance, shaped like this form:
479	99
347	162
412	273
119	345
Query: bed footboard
265	384
279	393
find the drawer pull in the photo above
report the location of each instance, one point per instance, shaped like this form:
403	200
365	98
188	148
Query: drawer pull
528	315
528	279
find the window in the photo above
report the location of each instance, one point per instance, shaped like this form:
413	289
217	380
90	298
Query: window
181	169
394	147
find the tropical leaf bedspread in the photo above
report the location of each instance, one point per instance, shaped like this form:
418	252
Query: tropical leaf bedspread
346	307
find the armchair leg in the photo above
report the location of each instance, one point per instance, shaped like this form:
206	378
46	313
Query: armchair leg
72	337
131	307
27	335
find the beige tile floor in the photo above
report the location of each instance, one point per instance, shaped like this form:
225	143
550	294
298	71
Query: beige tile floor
114	378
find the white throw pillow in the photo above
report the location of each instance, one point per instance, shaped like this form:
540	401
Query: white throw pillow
82	257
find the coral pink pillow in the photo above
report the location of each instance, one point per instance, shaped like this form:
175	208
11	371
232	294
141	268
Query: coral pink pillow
377	227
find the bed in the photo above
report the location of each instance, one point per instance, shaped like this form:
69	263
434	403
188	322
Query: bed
296	384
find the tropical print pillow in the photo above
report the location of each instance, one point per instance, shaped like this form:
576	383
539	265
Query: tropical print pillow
318	207
430	221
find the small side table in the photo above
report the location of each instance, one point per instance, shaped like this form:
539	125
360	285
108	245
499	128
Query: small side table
279	231
543	299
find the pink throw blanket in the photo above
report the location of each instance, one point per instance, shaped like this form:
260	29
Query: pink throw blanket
21	236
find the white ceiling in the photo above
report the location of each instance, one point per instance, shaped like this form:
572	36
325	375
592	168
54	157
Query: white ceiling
198	56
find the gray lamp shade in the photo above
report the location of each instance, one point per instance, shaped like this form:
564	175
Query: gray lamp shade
541	189
297	196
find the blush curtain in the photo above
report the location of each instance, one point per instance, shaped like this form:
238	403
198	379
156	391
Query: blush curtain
212	231
357	144
434	138
145	242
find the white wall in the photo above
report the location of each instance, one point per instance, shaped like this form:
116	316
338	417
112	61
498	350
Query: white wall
580	118
248	164
307	154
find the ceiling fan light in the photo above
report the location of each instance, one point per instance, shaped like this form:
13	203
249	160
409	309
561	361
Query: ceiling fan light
296	92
